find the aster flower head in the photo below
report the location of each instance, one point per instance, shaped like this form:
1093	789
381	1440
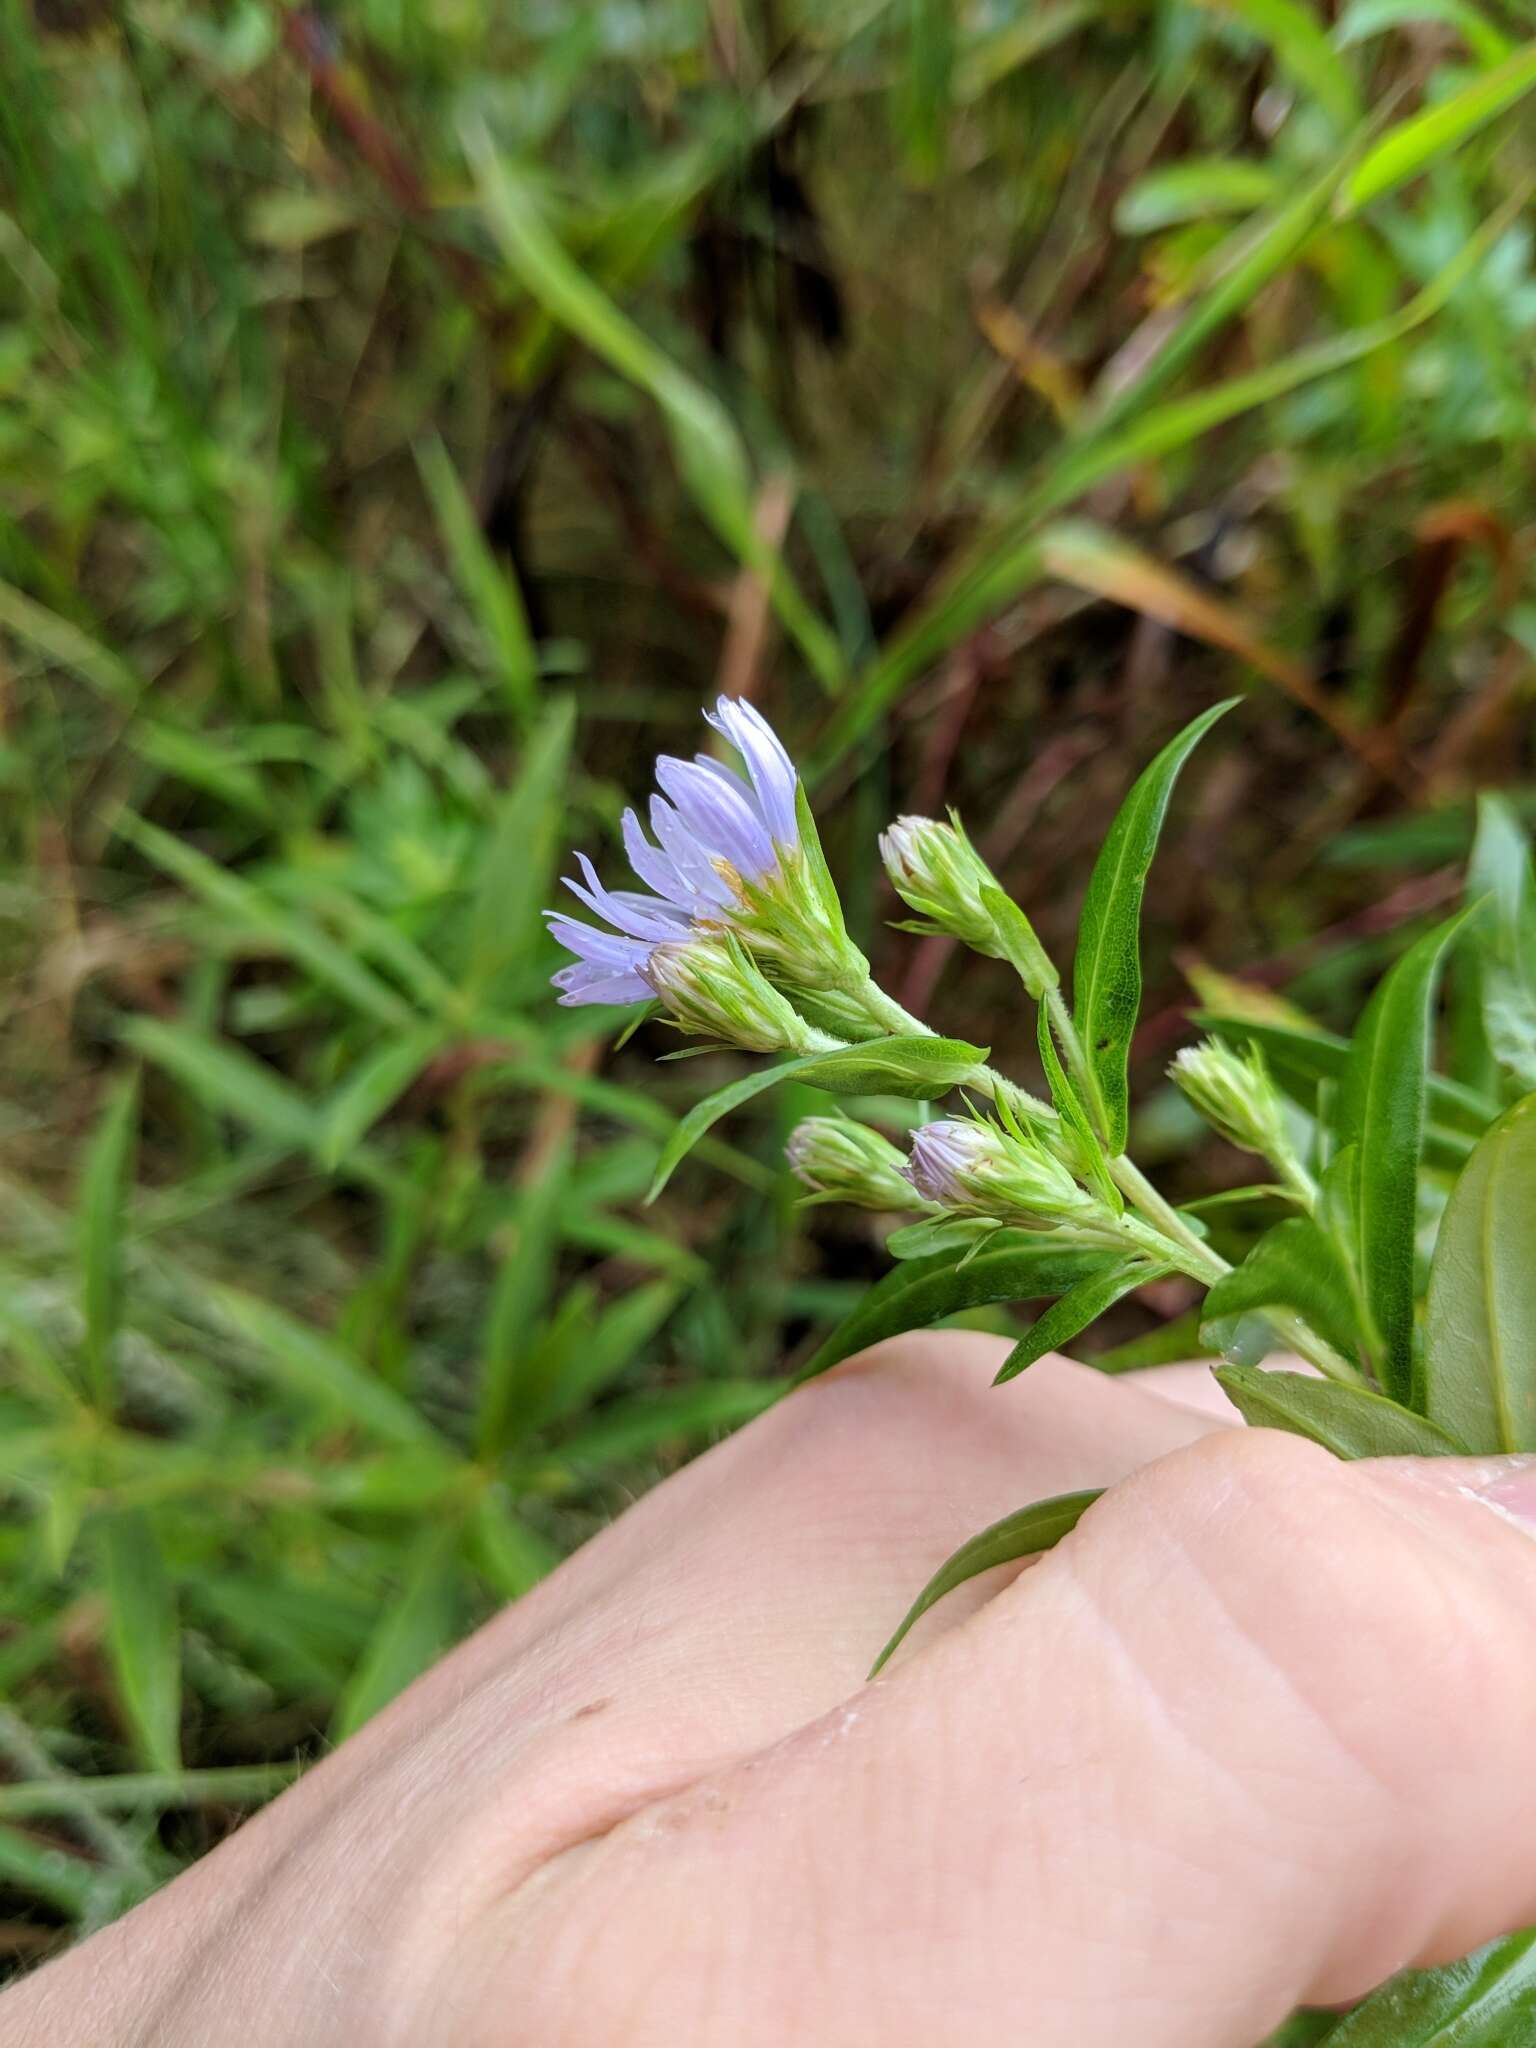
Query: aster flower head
709	986
725	853
977	1168
844	1161
1235	1095
937	872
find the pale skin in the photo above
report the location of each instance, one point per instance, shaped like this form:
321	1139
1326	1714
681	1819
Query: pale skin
1258	1733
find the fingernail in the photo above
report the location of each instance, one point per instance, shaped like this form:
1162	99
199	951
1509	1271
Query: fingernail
1508	1486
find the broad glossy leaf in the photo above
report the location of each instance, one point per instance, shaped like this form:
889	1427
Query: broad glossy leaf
1382	1100
1349	1421
1293	1266
143	1641
1106	980
923	1292
1479	1364
1487	2000
1077	1308
1025	1534
917	1067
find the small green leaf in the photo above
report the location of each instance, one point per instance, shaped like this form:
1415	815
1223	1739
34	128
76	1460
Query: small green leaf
1479	1366
1413	145
924	1291
417	1624
103	1193
1381	1112
1106	980
1025	1534
1487	2000
316	1367
939	1234
372	1088
1091	1161
1364	18
1077	1308
143	1640
1199	188
1349	1421
488	585
1502	956
1293	1266
517	864
1302	48
917	1067
1022	948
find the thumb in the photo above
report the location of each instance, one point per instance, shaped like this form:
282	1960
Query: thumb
1257	1734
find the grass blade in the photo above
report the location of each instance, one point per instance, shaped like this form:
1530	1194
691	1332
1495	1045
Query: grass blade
143	1639
103	1194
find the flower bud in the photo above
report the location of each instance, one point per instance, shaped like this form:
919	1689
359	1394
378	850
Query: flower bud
978	1168
1235	1095
711	988
835	1157
937	872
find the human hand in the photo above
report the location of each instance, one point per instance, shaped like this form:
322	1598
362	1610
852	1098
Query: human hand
1256	1734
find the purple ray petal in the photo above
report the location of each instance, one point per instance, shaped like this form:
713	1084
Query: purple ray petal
641	917
691	860
582	982
656	869
723	820
603	949
768	763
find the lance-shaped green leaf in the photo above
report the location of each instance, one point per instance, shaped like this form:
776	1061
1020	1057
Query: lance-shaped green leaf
1501	957
1090	1161
1349	1421
1077	1308
1409	149
1294	1266
1025	1534
1487	2000
143	1642
1382	1100
1479	1363
103	1192
923	1292
414	1628
916	1066
1106	979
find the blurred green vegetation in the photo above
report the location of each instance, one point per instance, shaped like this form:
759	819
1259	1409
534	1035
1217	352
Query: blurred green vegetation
409	414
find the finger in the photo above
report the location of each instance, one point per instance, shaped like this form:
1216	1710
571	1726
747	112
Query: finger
1258	1733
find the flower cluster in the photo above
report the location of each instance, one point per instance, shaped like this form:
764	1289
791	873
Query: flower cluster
728	861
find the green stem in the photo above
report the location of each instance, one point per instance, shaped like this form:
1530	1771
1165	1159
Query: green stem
885	1011
1192	1255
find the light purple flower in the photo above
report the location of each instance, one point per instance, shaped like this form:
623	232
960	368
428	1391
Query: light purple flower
713	830
981	1168
942	1153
